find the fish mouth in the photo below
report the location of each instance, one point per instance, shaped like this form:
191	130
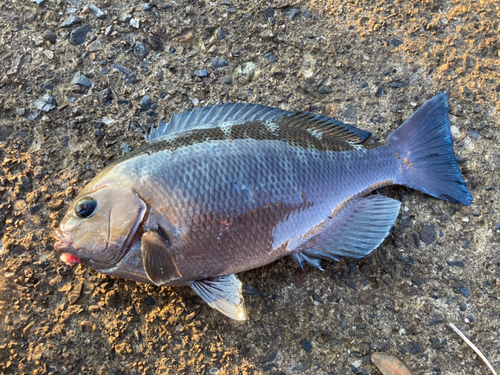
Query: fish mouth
62	246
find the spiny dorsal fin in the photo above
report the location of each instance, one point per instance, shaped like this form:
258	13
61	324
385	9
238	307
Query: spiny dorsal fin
322	126
215	116
240	113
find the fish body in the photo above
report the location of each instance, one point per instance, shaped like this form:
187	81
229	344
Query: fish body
233	187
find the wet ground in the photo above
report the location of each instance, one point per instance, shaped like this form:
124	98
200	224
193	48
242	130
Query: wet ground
72	100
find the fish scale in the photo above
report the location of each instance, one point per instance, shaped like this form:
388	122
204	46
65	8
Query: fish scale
224	189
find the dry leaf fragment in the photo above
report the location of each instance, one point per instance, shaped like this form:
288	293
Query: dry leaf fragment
389	364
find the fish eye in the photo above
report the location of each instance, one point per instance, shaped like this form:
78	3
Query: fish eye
86	207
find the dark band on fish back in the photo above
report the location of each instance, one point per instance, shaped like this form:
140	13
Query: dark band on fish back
295	137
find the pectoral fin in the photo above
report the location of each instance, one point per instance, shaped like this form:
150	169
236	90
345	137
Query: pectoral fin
360	231
223	293
158	260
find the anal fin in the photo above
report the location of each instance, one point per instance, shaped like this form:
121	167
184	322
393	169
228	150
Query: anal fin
301	258
223	293
158	259
360	231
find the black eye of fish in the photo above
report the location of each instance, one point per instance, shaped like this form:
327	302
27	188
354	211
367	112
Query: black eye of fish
86	208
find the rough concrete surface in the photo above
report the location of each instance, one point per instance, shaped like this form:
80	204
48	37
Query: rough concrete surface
81	81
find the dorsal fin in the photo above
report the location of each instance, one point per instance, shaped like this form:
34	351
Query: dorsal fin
215	116
240	113
322	126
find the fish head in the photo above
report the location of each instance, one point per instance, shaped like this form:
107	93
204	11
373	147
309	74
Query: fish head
100	225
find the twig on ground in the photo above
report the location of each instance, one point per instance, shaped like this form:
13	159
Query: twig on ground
474	347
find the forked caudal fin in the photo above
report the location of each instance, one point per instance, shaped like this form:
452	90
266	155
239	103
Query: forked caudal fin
424	146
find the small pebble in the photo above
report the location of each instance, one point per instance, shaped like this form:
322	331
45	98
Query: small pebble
80	79
97	11
79	34
21	111
145	101
292	14
71	21
220	33
464	291
219	63
145	7
125	18
428	234
134	22
108	30
271	57
46	103
306	345
140	51
269	13
201	73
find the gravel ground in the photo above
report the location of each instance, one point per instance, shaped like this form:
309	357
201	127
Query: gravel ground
79	84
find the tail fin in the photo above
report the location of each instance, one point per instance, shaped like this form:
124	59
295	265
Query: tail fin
424	146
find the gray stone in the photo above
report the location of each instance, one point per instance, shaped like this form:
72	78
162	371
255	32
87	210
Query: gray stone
76	3
219	63
145	7
220	33
71	21
464	291
135	23
96	45
145	101
104	94
428	234
201	72
271	57
350	113
129	76
306	345
21	111
46	103
80	79
108	30
300	367
292	14
140	51
324	90
97	11
33	115
79	34
244	72
125	18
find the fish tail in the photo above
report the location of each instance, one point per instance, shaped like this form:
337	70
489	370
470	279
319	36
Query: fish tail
424	147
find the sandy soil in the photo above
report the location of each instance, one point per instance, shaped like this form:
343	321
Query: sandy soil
368	64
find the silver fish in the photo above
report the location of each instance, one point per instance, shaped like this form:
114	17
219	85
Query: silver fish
233	187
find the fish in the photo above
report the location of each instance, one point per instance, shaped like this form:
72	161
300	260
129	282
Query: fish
227	188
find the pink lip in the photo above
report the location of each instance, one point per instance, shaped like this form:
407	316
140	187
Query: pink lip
69	258
62	245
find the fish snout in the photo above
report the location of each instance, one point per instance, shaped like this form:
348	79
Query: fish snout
62	246
62	242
